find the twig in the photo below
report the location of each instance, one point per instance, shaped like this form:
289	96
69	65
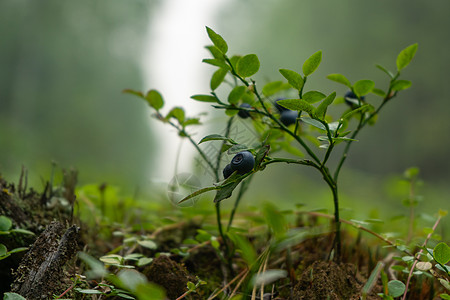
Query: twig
243	273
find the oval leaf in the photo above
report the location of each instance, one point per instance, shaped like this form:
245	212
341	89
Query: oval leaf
177	113
217	78
217	40
155	99
236	94
5	223
313	96
399	85
148	244
294	79
405	56
248	65
340	79
204	98
363	87
396	288
3	250
321	110
272	88
312	63
13	296
441	253
297	104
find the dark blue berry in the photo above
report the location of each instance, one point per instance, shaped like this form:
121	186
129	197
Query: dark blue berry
351	99
243	162
227	171
242	113
288	117
279	107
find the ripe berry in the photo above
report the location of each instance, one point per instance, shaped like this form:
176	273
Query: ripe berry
227	171
242	113
243	162
279	107
351	99
288	117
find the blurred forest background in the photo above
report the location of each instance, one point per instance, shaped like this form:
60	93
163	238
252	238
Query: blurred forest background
65	63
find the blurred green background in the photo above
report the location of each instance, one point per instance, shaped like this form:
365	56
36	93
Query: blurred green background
65	63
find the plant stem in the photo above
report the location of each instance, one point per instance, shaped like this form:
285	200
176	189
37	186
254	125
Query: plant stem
242	190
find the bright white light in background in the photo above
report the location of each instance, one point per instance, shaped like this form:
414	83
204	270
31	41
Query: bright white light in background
172	65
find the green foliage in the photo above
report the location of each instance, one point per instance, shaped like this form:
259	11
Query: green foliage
248	65
6	229
405	56
312	63
293	78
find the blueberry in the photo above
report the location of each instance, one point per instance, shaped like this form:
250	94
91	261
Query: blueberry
242	113
279	107
288	117
351	99
227	171
243	162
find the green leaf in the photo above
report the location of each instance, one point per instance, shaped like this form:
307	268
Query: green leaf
352	112
399	85
294	79
379	92
441	253
192	121
191	286
272	88
217	78
217	40
396	288
216	62
298	104
248	65
389	73
215	52
405	56
148	244
312	63
275	220
144	261
363	87
321	110
155	99
3	250
340	79
199	192
226	190
236	94
111	259
268	276
5	223
177	113
204	98
12	296
246	248
445	283
445	296
89	291
216	137
16	250
313	96
314	123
